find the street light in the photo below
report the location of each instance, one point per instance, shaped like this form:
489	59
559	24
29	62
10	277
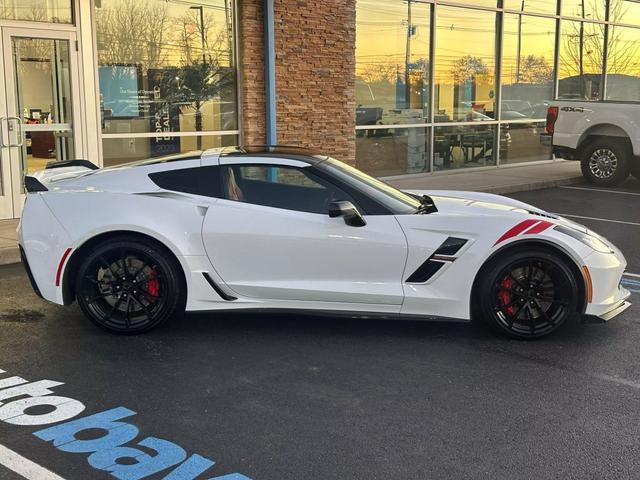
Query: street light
201	8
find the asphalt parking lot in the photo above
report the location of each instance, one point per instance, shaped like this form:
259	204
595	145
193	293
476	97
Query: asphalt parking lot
303	397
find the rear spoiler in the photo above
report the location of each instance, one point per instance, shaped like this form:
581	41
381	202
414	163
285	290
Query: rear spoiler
72	163
68	169
32	185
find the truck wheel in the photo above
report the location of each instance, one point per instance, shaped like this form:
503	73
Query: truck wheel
606	162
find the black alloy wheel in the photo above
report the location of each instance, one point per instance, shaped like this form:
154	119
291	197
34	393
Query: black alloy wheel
129	287
528	294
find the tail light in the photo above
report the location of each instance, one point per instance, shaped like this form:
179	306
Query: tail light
552	116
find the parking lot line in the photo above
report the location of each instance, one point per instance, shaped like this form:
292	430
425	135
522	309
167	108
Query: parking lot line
25	467
599	219
627	274
600	190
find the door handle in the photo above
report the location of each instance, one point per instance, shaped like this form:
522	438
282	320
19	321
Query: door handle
20	131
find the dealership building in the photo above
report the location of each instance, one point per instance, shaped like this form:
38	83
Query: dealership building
392	86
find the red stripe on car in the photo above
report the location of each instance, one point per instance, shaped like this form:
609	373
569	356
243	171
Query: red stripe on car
61	264
539	228
517	230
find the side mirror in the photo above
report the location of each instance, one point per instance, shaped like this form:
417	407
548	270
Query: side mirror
348	211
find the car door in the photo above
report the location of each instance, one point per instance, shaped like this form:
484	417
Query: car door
270	237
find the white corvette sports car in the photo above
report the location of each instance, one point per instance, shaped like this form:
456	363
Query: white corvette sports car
284	228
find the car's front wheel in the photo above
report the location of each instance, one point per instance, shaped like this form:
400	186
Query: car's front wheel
528	293
129	286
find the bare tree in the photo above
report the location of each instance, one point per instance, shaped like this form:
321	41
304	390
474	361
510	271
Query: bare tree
467	68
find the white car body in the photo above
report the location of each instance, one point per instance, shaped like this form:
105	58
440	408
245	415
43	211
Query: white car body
262	257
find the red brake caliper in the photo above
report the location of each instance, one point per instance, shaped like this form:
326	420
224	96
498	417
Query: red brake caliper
153	286
505	296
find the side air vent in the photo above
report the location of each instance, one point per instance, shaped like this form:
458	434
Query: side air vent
451	246
218	290
445	253
425	271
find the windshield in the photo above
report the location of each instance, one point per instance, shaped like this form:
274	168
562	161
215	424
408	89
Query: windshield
392	198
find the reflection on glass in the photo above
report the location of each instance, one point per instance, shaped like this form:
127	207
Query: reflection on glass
580	61
623	64
55	11
540	6
624	11
392	151
587	9
521	143
465	146
465	81
166	66
392	53
43	98
122	150
480	3
527	66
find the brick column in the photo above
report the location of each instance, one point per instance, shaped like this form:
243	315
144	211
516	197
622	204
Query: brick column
251	68
315	74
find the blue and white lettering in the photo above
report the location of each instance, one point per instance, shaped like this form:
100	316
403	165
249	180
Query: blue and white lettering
168	455
117	433
64	409
35	389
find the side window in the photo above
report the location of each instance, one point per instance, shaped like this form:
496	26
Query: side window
203	181
289	188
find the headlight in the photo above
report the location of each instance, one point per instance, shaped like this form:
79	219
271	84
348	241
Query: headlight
589	240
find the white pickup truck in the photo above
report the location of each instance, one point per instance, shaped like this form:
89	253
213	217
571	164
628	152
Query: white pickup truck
604	136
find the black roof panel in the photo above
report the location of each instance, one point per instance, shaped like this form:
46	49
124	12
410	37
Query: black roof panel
278	151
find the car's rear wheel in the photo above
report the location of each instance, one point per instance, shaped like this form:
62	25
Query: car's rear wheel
129	286
606	162
527	294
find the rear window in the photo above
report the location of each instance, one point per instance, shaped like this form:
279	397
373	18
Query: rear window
203	181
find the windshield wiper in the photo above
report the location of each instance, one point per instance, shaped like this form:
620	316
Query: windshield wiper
427	205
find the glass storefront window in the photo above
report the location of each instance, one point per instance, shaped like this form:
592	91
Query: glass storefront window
392	151
624	11
521	143
54	11
480	3
166	67
587	9
116	151
539	6
527	66
392	62
623	64
464	146
580	60
464	77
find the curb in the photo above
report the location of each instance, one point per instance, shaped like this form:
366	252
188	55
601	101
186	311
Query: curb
11	255
527	187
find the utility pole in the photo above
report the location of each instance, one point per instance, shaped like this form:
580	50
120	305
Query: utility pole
407	90
519	43
580	55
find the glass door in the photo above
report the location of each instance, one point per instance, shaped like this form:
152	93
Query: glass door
40	119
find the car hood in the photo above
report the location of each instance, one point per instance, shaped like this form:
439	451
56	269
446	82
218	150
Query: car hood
464	203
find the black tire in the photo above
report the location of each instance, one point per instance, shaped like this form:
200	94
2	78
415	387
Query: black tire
129	285
606	162
527	294
635	168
